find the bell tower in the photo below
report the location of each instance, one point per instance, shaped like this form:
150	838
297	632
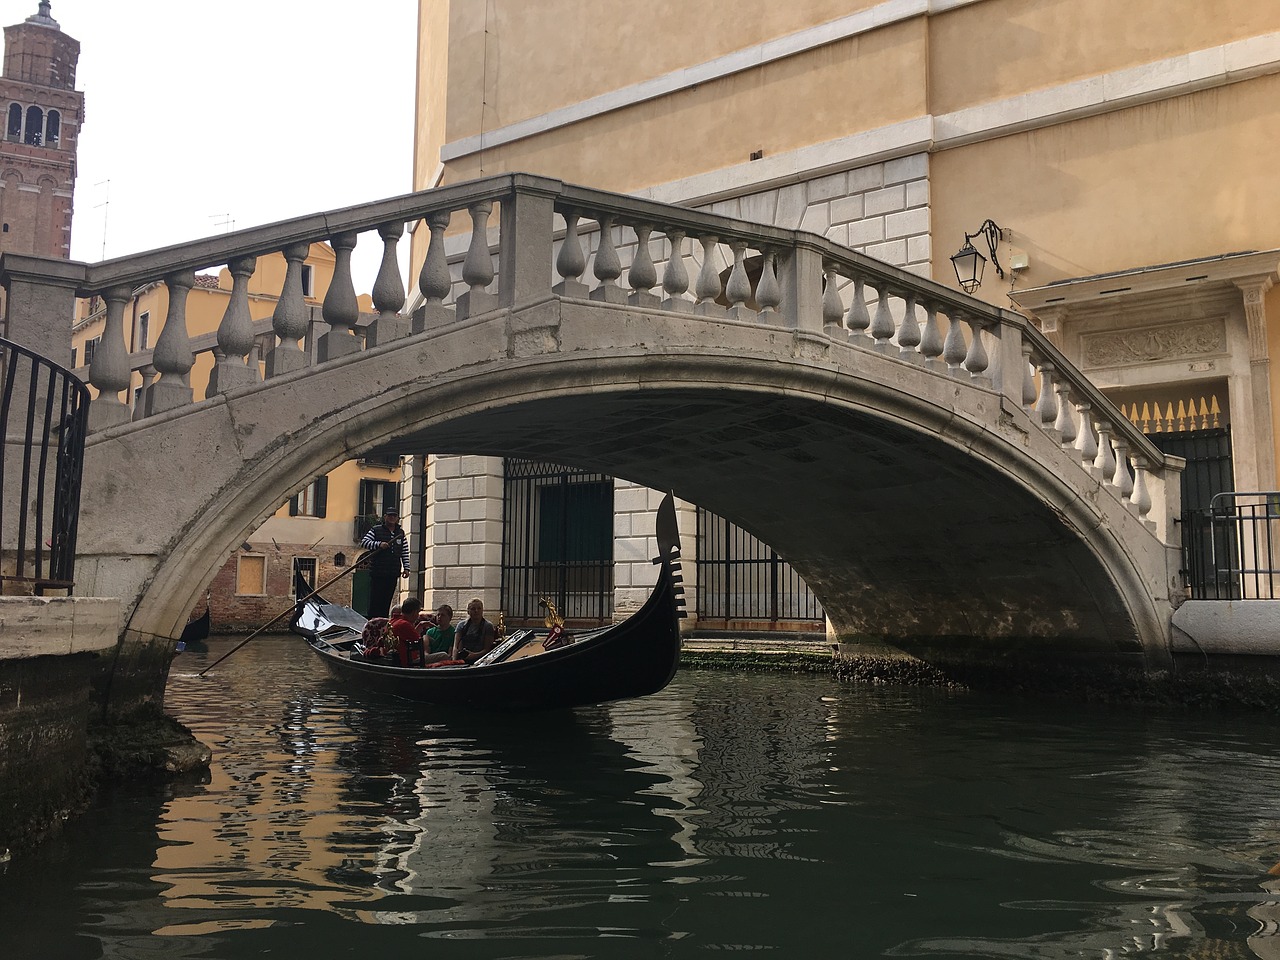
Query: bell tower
40	114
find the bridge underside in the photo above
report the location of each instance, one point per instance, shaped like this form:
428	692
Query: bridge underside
904	537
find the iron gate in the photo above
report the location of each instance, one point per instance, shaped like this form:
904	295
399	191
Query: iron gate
742	581
557	542
1207	474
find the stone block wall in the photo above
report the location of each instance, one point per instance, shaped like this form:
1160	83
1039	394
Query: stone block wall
881	210
463	530
44	708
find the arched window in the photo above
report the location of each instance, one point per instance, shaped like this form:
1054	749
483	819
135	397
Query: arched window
53	128
35	127
15	122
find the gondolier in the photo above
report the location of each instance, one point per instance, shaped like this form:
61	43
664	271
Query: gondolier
389	563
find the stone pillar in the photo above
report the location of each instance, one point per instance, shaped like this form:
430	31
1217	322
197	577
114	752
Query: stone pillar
40	303
464	523
1254	290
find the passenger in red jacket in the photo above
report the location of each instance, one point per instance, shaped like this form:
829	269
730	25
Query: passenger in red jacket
404	627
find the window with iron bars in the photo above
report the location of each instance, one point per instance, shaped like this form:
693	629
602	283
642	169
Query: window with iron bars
744	584
557	543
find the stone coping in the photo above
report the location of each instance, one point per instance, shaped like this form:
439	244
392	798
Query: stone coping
57	626
1248	627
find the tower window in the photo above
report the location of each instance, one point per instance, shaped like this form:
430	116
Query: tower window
144	325
15	122
34	134
308	280
6	228
53	128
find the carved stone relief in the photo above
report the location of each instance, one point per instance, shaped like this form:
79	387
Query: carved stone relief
1148	344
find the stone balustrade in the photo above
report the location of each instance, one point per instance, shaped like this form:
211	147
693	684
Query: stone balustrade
526	239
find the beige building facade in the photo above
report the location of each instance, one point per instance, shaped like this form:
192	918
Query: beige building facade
1123	150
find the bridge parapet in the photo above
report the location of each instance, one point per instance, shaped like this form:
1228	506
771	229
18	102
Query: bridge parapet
547	235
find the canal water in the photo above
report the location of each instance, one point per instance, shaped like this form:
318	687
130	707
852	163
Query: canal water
731	812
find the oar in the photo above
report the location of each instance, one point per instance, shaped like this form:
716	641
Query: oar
288	610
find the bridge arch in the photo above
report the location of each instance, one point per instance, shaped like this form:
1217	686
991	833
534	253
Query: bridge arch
924	511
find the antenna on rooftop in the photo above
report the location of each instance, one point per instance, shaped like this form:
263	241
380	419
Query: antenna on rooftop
106	209
227	221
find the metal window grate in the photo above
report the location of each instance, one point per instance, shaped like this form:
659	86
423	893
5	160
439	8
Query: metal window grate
742	580
557	542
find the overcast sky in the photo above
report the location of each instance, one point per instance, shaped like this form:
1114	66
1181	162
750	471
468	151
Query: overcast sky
197	114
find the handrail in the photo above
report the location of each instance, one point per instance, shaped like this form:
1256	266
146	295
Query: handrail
40	468
1053	372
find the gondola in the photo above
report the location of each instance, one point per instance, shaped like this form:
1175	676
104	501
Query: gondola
196	632
633	658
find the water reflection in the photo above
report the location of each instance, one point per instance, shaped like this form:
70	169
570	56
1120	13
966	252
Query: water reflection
730	812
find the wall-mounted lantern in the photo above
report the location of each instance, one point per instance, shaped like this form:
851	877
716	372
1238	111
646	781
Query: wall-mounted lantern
968	262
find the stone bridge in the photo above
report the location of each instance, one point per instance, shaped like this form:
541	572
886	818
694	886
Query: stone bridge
932	466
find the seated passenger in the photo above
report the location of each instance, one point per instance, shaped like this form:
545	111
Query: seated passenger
374	639
475	635
404	631
440	636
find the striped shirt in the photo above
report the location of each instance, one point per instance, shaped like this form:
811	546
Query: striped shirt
380	534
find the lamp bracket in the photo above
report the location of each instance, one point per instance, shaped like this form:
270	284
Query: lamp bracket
991	232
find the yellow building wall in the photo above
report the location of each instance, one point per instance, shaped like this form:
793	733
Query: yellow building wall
512	59
1173	180
1001	48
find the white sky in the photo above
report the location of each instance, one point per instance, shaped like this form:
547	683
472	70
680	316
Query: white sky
200	113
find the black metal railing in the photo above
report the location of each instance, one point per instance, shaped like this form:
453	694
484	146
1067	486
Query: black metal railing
743	581
1231	551
44	409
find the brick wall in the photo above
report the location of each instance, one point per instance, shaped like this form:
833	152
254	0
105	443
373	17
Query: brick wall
233	613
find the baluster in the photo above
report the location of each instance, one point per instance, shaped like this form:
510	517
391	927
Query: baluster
340	309
909	332
172	356
1028	378
434	280
768	290
1123	482
1086	444
1141	497
1106	460
571	261
1065	424
675	278
477	268
976	360
708	285
738	288
608	268
832	305
954	349
388	293
289	321
236	366
882	326
858	318
931	339
642	276
109	370
1047	406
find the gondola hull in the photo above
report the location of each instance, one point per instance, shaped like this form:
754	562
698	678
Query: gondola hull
631	659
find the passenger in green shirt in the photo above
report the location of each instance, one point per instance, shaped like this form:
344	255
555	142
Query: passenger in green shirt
440	637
